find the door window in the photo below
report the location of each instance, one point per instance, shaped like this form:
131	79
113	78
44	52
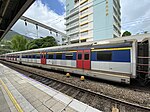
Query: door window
79	56
86	56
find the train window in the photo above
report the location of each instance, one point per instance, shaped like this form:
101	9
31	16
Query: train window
69	56
38	56
29	56
86	56
58	56
50	56
33	56
79	56
104	55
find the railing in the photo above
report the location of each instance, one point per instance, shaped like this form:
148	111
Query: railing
84	27
84	19
116	14
84	12
72	19
72	25
74	37
73	32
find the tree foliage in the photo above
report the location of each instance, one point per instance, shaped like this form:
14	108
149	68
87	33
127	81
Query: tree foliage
18	43
5	47
5	44
48	41
126	33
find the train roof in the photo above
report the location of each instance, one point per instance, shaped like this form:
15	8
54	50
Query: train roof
138	38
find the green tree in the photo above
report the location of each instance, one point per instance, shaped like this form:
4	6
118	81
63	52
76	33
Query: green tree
126	33
5	44
18	43
5	47
48	41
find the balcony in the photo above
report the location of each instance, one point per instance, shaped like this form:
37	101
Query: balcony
116	33
83	23
116	30
72	25
73	12
84	37
117	26
83	1
84	14
73	32
117	16
84	19
84	7
117	4
116	10
72	19
74	38
84	28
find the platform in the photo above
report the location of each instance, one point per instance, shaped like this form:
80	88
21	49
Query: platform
19	93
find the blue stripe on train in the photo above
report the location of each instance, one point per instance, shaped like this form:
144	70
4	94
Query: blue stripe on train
117	56
74	55
121	56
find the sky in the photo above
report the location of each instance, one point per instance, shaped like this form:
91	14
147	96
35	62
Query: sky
135	17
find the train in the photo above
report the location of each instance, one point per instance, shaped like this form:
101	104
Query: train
117	59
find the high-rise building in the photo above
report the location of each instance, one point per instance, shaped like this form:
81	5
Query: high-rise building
88	20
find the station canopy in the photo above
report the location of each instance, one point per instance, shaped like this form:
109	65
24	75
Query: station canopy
10	12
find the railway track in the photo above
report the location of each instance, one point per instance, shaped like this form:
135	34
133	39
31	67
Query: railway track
97	100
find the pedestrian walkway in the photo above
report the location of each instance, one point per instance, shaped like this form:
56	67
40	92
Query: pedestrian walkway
4	107
22	94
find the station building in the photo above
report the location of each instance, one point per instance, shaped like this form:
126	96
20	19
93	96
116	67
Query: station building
90	20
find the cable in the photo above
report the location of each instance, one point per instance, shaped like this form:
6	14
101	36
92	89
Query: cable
135	21
55	20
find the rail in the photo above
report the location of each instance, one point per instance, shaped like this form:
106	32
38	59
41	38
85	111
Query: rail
94	99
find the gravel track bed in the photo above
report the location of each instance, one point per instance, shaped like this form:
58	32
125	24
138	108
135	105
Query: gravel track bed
138	97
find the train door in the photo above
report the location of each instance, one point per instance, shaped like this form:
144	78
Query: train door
83	59
43	58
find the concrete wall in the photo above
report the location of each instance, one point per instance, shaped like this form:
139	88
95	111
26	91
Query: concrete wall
103	25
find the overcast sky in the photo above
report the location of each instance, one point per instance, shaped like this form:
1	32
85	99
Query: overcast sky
135	16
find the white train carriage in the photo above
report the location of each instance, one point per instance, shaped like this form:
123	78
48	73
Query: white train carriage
117	59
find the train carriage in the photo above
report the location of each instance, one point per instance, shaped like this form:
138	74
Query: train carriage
118	59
